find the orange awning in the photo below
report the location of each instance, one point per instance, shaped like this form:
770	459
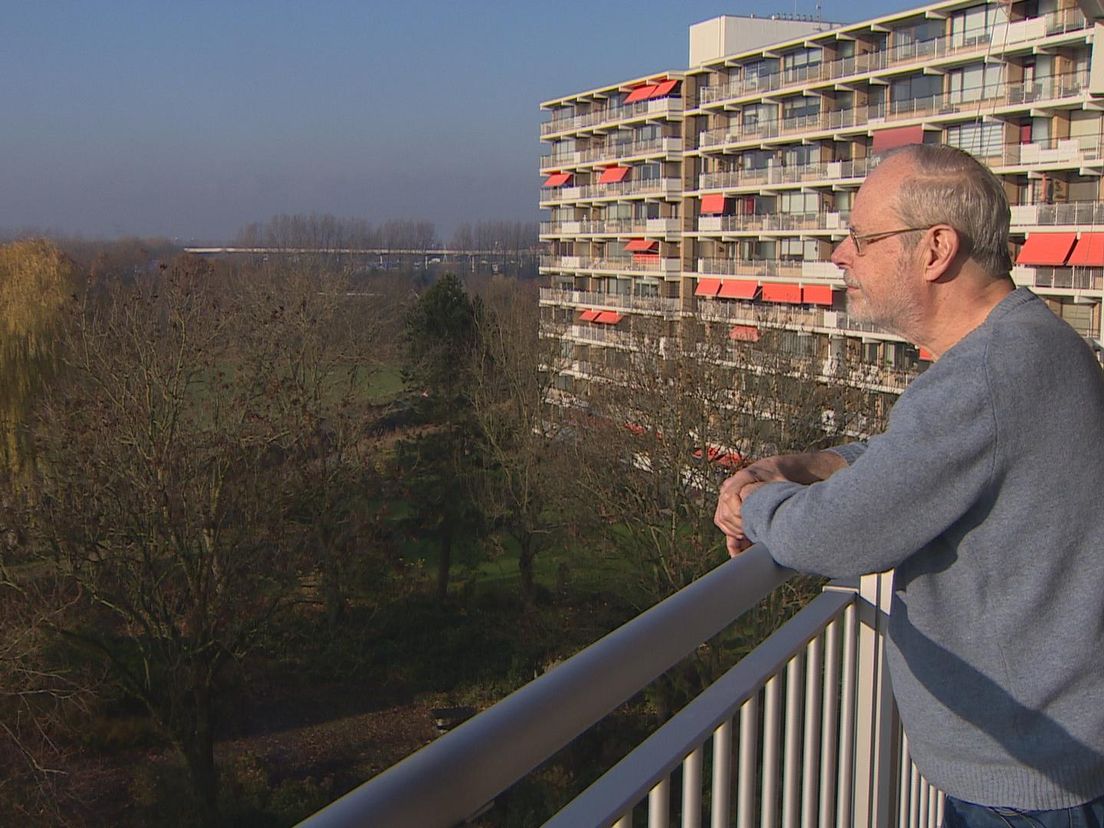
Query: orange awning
1089	251
588	316
713	204
1046	249
744	333
641	245
609	317
728	459
611	175
707	287
641	93
557	179
782	292
645	257
926	355
665	88
738	289
817	295
887	139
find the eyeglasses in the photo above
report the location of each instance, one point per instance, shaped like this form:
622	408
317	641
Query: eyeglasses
860	240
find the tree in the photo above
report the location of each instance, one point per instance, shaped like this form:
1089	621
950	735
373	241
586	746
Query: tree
36	280
440	336
161	498
526	465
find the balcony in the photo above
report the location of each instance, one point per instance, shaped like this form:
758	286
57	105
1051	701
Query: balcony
1060	278
820	270
793	174
621	264
647	188
804	728
775	222
631	149
666	306
607	116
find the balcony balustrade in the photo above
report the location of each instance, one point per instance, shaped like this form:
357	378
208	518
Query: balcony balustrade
1080	213
607	116
803	729
804	269
1004	34
616	190
1060	278
608	301
776	222
992	97
788	174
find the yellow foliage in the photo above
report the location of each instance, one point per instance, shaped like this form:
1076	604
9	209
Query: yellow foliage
35	280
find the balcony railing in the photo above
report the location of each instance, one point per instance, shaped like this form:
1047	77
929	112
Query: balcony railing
767	222
791	174
592	299
1003	35
612	114
992	96
752	268
1060	278
803	728
614	190
1081	213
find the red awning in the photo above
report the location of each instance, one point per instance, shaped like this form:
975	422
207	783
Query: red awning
641	93
728	459
738	289
926	355
817	295
665	88
782	292
645	257
557	179
1089	251
887	139
611	175
609	317
708	287
744	333
641	245
713	204
588	316
1046	249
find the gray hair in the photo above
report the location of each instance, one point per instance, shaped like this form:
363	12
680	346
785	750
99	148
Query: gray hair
950	186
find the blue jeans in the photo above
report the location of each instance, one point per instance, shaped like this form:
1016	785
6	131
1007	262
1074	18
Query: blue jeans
959	814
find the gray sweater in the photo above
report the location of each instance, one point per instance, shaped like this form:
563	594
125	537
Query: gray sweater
985	493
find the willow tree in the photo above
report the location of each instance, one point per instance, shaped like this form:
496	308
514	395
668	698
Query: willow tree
36	280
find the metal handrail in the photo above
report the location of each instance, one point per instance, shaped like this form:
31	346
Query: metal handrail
456	776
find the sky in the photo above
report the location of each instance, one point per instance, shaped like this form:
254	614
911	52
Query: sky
189	119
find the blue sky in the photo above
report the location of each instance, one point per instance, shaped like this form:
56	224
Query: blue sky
191	118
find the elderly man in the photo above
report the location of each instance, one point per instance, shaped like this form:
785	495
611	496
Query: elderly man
983	492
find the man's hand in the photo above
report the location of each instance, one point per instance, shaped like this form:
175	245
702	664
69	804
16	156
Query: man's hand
794	468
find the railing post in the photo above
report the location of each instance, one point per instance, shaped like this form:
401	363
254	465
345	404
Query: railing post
875	713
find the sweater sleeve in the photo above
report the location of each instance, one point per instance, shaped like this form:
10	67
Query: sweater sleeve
909	484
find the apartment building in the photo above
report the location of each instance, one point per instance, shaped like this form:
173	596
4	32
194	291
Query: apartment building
717	192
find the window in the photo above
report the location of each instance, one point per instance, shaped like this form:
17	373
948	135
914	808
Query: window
649	171
974	83
974	26
915	88
798	65
800	107
984	140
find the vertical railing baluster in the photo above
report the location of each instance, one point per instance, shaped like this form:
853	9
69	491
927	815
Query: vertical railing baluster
721	799
625	821
914	796
691	789
746	772
791	781
940	801
830	725
847	720
903	790
771	720
659	804
810	766
923	819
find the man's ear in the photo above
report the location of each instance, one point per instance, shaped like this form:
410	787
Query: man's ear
941	246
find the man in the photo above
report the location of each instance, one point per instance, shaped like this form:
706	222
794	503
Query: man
983	492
